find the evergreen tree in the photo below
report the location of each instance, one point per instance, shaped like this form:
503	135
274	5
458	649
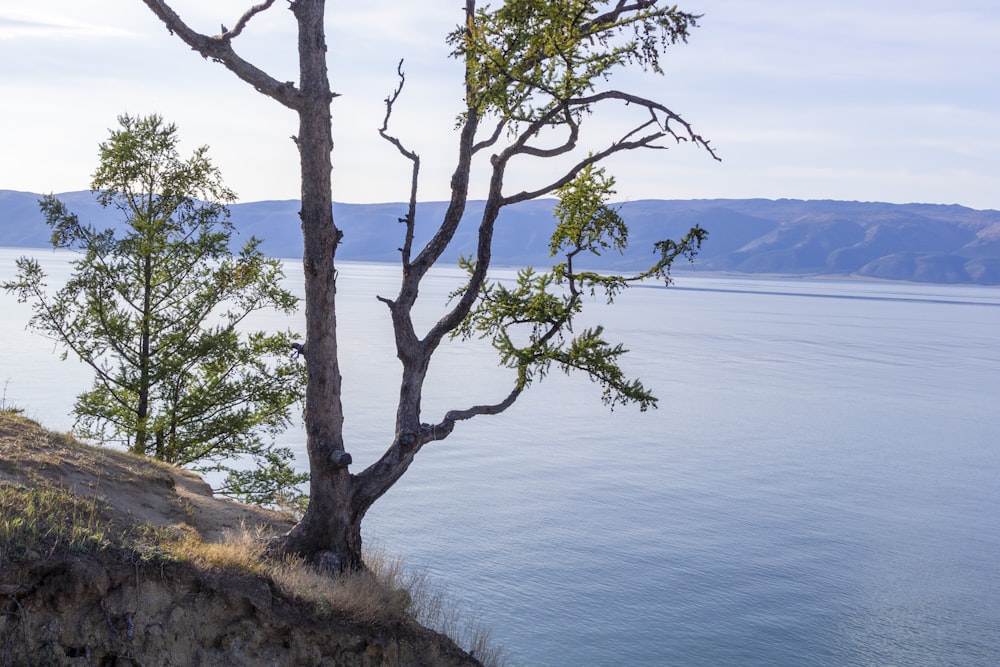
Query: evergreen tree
155	308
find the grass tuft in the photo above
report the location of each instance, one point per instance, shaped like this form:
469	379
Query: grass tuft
6	407
43	518
240	552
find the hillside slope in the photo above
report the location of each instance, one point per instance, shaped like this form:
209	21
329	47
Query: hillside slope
915	242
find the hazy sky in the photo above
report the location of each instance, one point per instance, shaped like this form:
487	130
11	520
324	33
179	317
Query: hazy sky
887	100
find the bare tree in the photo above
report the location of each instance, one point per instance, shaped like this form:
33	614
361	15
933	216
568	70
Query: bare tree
534	71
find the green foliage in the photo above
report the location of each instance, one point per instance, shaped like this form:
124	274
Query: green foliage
526	57
539	67
531	324
155	308
587	224
271	483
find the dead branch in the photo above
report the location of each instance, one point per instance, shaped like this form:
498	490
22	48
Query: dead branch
245	19
411	215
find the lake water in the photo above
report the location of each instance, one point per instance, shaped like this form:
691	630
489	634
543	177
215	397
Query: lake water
820	485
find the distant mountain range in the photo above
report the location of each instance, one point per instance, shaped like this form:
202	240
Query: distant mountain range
914	242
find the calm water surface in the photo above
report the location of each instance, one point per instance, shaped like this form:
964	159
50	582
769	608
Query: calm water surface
820	485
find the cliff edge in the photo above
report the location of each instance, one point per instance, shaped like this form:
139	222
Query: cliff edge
112	559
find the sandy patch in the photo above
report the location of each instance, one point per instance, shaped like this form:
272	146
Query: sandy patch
137	489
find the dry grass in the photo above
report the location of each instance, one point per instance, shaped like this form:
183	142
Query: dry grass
363	597
387	592
376	596
435	607
238	553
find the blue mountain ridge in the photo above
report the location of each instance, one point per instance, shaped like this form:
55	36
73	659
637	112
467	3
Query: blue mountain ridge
786	237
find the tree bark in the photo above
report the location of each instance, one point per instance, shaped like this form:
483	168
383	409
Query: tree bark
330	530
142	410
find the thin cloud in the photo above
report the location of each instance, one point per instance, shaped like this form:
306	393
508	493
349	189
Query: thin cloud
32	26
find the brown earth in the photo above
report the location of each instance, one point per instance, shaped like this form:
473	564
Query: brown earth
115	608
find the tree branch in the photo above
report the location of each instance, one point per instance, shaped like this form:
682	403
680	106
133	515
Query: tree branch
220	50
453	416
411	214
521	147
486	143
665	129
245	19
573	171
609	17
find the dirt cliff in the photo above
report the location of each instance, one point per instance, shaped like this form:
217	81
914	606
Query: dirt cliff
89	576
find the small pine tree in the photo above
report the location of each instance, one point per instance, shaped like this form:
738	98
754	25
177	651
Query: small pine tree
155	307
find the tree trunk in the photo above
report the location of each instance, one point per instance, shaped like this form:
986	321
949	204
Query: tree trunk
329	534
330	531
142	410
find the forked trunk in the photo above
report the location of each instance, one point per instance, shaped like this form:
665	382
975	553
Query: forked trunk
329	534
